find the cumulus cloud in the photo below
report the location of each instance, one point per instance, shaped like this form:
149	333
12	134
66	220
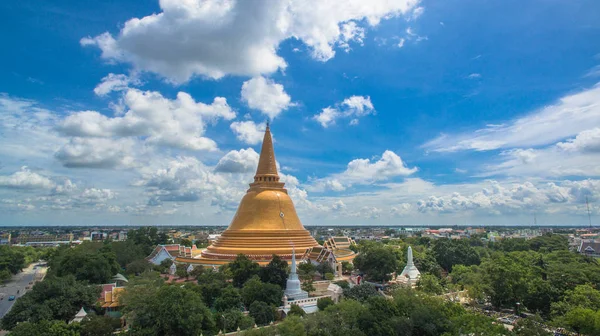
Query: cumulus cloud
176	123
96	153
242	161
248	132
365	171
586	141
113	82
354	106
266	96
566	118
25	179
216	38
514	199
186	179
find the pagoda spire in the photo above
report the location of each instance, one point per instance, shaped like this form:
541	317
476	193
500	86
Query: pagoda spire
267	165
409	261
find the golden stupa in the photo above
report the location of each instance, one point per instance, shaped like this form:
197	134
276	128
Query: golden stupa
265	223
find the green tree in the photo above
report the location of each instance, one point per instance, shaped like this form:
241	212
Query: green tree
11	259
583	296
157	310
306	271
138	267
230	298
51	299
46	328
307	286
186	242
147	238
450	252
211	285
99	325
549	242
342	283
291	326
127	252
256	290
430	284
324	302
530	327
296	310
164	266
324	268
275	272
583	321
377	263
242	269
361	292
232	319
347	267
262	312
91	262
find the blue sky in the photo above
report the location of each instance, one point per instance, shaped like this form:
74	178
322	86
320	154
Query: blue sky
402	112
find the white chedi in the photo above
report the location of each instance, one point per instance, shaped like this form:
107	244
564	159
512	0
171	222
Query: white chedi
410	274
293	290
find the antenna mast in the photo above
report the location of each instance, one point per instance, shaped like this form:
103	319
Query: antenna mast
587	204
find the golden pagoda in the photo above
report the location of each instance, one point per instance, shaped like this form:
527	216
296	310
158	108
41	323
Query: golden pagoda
265	223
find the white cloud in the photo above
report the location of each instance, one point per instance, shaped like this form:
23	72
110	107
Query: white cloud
248	132
586	141
176	123
568	117
401	42
517	198
418	11
354	106
364	171
216	38
96	153
242	161
113	82
25	179
474	76
266	96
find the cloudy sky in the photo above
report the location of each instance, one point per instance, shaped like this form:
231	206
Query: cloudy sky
383	111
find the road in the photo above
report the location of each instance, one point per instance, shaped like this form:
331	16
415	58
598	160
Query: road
18	283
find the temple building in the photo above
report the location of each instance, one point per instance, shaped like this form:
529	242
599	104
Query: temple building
266	223
410	274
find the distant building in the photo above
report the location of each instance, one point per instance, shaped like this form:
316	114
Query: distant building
171	251
97	236
5	238
80	316
45	239
590	248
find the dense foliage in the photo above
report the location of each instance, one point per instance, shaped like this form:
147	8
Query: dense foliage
539	276
52	299
13	259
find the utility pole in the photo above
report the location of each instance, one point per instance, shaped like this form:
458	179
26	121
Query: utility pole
587	204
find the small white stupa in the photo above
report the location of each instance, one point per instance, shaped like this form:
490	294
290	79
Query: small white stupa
410	274
80	316
293	290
